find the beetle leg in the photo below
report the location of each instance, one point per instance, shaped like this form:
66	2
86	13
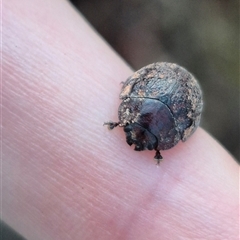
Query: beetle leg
158	157
111	125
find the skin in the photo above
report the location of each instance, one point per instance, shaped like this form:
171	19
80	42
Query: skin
64	175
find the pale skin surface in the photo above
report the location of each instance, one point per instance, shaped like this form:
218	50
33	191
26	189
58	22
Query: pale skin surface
64	175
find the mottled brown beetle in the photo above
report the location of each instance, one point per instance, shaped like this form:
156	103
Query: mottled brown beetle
161	105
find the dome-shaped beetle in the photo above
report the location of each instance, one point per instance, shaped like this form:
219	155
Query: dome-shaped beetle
161	105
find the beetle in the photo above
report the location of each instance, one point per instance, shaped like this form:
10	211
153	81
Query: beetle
161	105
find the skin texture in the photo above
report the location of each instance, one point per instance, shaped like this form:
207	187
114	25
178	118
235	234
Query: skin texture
64	175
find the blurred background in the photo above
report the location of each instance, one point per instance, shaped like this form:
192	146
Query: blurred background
202	36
